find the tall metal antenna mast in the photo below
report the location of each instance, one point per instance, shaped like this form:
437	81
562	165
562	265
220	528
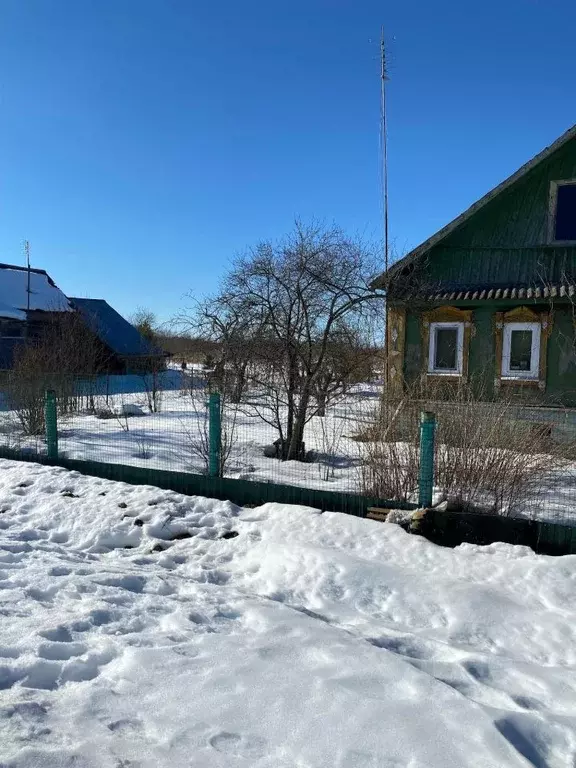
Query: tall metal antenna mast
384	140
27	252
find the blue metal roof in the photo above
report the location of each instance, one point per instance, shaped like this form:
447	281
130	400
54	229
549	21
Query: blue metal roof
112	329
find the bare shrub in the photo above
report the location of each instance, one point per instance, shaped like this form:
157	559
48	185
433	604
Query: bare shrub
328	433
153	388
26	397
109	412
389	453
11	434
489	456
53	356
196	432
142	446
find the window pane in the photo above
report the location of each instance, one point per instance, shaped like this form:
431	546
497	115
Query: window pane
11	330
446	349
520	350
566	213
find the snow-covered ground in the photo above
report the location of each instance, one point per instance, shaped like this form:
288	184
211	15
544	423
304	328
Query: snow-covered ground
139	630
169	439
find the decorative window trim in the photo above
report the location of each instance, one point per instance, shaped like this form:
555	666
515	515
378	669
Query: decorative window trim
459	328
521	315
534	372
450	315
552	205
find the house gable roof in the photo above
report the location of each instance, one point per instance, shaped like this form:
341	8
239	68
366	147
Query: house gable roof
113	329
15	298
381	281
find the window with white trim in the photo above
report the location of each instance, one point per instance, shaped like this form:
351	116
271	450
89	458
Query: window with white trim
521	350
445	350
563	211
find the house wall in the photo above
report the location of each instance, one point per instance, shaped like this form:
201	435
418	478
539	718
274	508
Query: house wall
8	349
560	357
507	241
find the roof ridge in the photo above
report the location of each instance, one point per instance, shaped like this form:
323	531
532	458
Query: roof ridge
479	204
21	268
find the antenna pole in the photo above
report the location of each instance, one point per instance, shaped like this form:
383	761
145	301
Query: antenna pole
384	139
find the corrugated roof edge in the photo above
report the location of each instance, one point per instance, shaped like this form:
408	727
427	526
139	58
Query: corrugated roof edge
380	282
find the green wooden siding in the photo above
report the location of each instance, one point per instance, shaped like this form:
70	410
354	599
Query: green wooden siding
412	349
496	267
481	359
518	217
561	355
506	242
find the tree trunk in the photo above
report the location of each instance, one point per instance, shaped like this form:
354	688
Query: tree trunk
239	384
296	444
321	403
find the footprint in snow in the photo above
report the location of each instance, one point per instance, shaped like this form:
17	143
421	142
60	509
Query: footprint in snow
124	725
59	537
48	675
130	583
42	595
237	745
59	634
61	651
8	653
59	571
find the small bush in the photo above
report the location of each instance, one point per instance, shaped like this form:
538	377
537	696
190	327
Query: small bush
489	456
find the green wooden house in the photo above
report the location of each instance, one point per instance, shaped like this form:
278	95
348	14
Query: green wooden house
491	297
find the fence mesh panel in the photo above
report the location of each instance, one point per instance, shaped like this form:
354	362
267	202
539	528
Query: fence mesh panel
495	458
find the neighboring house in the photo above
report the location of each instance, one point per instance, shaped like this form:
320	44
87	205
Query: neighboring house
491	297
31	302
129	351
27	299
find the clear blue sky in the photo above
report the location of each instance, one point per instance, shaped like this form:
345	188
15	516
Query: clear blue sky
144	142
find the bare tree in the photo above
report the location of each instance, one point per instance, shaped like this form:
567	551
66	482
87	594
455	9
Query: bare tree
289	305
232	332
146	322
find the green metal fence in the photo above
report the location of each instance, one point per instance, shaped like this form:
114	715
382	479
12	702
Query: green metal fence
472	462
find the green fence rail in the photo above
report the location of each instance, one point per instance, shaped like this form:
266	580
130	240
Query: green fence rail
242	492
426	472
215	435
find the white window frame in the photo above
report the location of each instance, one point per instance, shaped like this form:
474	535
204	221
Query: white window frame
534	371
553	204
459	327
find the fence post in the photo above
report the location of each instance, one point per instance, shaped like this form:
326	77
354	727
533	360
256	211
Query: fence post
51	420
215	433
426	486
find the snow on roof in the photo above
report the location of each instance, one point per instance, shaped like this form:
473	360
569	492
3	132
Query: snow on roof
44	294
14	314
